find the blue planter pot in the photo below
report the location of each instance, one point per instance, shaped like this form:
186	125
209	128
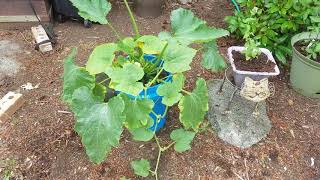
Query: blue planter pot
158	107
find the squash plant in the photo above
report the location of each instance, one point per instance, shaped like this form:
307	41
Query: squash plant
100	123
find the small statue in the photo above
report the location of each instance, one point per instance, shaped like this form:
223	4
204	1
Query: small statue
255	91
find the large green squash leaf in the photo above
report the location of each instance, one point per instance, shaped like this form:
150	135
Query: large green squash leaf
93	10
142	134
187	28
100	91
127	45
194	106
100	126
141	167
126	79
183	139
137	112
75	77
101	58
151	44
211	57
83	99
171	90
177	58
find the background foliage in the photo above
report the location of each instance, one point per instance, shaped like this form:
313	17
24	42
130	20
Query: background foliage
272	23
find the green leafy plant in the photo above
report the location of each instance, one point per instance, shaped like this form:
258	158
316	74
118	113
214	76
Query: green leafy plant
100	122
273	23
252	50
313	49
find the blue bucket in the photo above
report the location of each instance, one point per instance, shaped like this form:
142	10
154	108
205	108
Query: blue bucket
151	93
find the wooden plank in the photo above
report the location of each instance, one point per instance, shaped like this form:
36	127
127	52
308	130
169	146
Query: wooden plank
40	35
22	18
18	9
9	104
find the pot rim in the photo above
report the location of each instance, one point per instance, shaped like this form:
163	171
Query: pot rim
263	50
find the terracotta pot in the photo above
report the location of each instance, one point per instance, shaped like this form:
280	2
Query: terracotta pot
148	8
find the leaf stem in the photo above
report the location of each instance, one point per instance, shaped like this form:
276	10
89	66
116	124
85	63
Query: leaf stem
154	113
186	92
162	79
133	21
157	165
115	31
103	80
167	147
155	78
165	112
158	142
161	149
160	56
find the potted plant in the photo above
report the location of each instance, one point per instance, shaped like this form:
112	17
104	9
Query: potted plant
146	72
273	23
251	61
305	66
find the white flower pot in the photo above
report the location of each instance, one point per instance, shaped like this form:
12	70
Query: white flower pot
239	75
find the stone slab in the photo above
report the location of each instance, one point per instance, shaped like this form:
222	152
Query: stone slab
240	126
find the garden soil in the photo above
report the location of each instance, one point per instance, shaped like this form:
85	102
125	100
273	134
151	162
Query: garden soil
38	142
300	47
258	64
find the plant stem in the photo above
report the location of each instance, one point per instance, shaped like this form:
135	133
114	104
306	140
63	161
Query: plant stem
161	149
157	165
115	31
165	112
155	78
159	155
160	56
158	142
167	147
133	21
103	80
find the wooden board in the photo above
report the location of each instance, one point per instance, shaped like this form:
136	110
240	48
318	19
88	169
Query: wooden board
9	104
20	10
40	35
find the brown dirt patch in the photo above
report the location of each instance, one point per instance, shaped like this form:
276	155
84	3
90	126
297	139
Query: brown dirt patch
258	64
41	141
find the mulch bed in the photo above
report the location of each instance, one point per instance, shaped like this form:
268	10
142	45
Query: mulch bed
43	144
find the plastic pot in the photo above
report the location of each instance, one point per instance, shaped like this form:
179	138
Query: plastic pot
305	72
158	107
239	75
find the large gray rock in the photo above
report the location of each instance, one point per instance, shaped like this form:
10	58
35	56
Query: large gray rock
240	126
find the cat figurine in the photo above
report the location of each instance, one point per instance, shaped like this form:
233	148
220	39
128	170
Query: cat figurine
255	91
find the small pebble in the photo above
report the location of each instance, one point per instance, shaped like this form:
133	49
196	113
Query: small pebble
290	102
